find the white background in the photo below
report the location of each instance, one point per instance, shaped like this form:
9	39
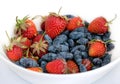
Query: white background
84	8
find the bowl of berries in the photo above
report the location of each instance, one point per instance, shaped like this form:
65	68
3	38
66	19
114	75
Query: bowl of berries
58	49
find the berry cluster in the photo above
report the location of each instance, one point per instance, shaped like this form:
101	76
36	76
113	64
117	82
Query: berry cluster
66	44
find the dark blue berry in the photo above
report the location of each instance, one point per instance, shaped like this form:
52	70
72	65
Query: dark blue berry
97	37
28	62
88	36
66	32
110	46
49	40
107	35
81	29
82	41
106	59
61	48
52	49
69	16
49	57
71	43
79	47
77	52
105	39
97	61
60	39
84	55
95	67
82	68
43	65
78	59
18	63
76	35
65	55
65	43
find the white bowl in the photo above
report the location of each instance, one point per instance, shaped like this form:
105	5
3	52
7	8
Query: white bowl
8	22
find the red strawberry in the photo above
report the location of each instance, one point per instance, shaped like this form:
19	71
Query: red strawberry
87	63
97	48
55	24
74	23
72	67
37	69
14	53
57	66
22	42
25	27
39	46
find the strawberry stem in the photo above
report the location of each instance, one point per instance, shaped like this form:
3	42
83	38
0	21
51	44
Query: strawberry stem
59	10
109	41
8	36
110	22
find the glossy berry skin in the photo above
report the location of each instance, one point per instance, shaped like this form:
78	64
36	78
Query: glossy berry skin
72	67
31	30
87	63
97	49
74	23
54	25
15	53
42	25
27	43
99	26
57	66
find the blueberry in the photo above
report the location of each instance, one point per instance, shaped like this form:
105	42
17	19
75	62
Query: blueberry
71	43
43	65
84	55
69	16
95	67
61	48
77	52
107	35
65	55
86	23
76	35
28	62
65	43
78	59
97	61
51	49
60	39
81	29
79	47
106	59
110	46
88	36
105	38
66	32
82	41
49	40
97	37
18	63
82	68
49	57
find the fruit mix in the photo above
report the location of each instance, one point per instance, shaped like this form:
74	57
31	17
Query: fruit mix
66	44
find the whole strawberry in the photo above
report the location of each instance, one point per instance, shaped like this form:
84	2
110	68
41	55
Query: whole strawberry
99	25
39	46
72	67
55	24
74	23
14	53
97	48
25	27
57	66
87	63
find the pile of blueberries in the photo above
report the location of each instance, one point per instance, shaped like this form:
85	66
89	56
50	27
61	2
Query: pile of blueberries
71	45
